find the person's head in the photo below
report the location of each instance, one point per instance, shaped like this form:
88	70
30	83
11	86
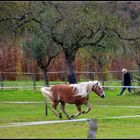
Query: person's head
124	70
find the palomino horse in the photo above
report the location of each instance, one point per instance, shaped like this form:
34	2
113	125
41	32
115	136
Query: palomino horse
77	94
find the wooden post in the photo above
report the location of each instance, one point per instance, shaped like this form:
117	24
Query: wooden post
92	129
34	81
1	81
46	107
65	74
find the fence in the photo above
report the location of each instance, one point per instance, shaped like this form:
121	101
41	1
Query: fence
12	80
91	134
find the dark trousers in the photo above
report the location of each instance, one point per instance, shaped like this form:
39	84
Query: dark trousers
124	88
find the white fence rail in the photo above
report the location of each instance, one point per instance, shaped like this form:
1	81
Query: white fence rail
91	134
31	87
36	80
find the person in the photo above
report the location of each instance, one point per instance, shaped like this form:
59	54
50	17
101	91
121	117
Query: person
126	81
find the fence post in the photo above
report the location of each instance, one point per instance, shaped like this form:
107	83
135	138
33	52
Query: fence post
92	129
46	107
65	75
1	81
34	81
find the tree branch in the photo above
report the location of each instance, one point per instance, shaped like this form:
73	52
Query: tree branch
56	40
123	38
104	31
95	43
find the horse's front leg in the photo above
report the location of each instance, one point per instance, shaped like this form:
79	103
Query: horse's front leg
79	111
88	108
63	110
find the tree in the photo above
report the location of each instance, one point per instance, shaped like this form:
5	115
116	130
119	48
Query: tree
129	14
132	49
78	30
101	56
29	19
42	49
12	13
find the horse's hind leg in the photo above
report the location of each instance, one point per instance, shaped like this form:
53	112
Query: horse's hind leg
64	111
79	111
88	108
56	111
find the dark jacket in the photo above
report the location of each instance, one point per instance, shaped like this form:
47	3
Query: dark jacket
127	79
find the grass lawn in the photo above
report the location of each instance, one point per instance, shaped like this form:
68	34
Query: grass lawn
111	106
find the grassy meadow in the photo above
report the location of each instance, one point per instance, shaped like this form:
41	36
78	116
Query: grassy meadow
111	106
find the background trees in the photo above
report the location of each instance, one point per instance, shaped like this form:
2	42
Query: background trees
132	48
70	26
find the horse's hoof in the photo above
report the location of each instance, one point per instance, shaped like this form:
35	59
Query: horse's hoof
83	112
72	116
69	118
60	116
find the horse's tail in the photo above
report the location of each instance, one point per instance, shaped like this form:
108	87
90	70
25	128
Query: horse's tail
46	91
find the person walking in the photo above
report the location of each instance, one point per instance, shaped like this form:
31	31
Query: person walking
126	81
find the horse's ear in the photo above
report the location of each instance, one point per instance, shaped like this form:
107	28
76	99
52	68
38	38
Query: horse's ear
97	83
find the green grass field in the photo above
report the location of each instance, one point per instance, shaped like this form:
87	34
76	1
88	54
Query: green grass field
111	106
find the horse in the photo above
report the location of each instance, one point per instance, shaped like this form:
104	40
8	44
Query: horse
77	94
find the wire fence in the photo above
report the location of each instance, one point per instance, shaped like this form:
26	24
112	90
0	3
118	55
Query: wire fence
14	80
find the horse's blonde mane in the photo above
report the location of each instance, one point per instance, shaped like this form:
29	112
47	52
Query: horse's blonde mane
84	88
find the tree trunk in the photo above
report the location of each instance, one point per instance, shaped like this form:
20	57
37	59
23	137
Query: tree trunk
139	70
70	73
69	59
46	77
44	67
102	74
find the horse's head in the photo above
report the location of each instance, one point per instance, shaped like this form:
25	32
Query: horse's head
97	88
